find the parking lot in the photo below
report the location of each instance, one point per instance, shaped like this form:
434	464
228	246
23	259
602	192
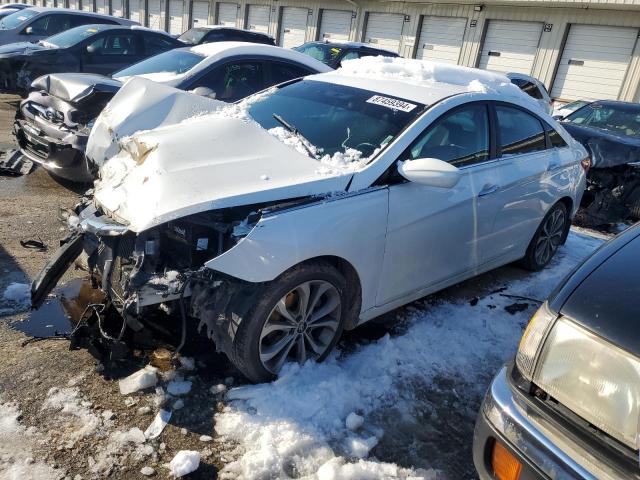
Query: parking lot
412	380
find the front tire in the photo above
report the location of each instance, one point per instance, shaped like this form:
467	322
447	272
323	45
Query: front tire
548	237
299	316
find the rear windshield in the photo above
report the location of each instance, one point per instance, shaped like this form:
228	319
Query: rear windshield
16	19
172	62
336	118
320	51
193	36
622	120
75	35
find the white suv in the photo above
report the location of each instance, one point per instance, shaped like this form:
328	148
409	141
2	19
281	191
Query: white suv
317	205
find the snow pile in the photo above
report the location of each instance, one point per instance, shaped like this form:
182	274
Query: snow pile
302	420
75	412
185	462
144	378
426	73
16	456
17	296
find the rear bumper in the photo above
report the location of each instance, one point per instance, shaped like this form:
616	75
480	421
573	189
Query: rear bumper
60	152
545	449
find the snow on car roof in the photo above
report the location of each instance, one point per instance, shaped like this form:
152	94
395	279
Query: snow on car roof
407	78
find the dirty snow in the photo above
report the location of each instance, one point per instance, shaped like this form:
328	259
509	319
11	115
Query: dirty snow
144	378
300	421
73	409
185	462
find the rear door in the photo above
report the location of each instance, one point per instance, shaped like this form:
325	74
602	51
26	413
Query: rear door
258	17
176	14
111	51
384	30
227	14
293	26
510	46
335	24
441	38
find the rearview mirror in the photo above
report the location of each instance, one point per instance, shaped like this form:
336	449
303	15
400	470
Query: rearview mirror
558	117
28	31
430	171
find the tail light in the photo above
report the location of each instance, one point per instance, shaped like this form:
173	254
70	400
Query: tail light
586	163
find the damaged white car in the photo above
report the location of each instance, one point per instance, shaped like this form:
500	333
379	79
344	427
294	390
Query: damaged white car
319	204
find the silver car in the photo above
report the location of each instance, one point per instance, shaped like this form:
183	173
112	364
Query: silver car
37	23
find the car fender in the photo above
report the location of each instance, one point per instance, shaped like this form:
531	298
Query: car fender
349	226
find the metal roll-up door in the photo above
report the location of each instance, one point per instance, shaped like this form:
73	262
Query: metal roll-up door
335	25
134	10
155	14
117	8
258	17
510	46
176	14
441	38
101	6
73	4
594	62
87	5
384	30
227	14
200	14
293	28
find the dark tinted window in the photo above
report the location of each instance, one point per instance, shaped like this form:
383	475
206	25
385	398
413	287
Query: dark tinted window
78	20
528	88
51	24
117	43
324	52
519	131
193	36
622	119
154	44
16	19
555	138
281	72
171	62
233	81
460	137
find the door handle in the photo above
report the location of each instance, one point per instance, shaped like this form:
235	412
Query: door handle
488	189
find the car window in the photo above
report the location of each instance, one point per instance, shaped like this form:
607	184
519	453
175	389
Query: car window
73	36
154	44
16	19
519	131
460	137
193	36
555	138
350	56
619	119
281	72
233	81
326	53
50	24
120	43
528	87
172	62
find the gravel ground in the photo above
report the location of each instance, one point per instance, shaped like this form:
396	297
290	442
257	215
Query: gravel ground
29	208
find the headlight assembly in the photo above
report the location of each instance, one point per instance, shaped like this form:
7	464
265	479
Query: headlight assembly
593	378
531	340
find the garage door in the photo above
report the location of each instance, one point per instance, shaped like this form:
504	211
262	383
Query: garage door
73	4
293	30
134	10
176	12
101	6
384	30
441	39
258	18
200	13
87	5
227	14
117	8
155	13
335	25
594	62
510	46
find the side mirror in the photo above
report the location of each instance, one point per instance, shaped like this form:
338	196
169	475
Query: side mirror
91	49
558	117
28	31
204	92
431	172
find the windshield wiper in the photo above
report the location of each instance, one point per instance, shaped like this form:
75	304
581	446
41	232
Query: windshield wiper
305	143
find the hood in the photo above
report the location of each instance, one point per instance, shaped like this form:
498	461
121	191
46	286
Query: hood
607	149
75	87
21	48
189	165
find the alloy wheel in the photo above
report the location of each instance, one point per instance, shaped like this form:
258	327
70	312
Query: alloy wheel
301	326
550	237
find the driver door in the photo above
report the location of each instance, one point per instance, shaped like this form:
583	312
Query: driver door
435	234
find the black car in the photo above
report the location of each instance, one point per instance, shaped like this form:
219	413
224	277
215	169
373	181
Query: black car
53	124
210	34
333	53
610	131
568	407
89	48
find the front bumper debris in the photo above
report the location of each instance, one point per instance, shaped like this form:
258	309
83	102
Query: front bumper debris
544	448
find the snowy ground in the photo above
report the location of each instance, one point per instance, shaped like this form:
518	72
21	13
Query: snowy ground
397	400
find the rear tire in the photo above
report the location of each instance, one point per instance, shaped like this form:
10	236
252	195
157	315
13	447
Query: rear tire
299	316
549	236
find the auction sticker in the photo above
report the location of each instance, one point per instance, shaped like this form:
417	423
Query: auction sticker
392	103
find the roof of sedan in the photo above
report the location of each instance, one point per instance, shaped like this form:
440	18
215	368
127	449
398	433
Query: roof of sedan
418	80
350	44
78	12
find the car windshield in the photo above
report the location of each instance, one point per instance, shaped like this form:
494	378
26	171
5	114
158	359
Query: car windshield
622	120
193	36
172	62
573	106
73	36
16	19
335	119
320	51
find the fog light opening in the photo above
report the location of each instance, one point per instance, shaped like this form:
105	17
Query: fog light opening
505	465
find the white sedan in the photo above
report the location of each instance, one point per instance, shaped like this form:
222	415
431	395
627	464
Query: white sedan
320	204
